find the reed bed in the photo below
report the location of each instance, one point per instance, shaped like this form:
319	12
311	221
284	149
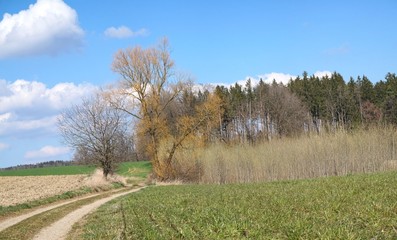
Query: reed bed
312	156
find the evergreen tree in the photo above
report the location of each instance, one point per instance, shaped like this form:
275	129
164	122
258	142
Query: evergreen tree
367	90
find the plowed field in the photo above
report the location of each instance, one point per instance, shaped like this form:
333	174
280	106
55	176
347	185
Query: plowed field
15	190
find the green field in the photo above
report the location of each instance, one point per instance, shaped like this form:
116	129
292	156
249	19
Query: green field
134	169
61	170
351	207
129	169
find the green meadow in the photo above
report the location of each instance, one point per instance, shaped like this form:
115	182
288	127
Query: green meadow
61	170
129	169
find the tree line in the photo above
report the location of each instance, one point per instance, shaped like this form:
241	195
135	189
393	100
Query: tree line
56	163
350	104
305	104
154	112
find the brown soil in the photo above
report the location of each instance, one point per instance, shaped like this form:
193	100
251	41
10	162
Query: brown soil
16	190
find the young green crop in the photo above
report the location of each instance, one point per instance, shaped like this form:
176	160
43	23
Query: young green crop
134	169
129	169
351	207
61	170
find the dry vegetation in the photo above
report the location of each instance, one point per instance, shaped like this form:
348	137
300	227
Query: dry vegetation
333	154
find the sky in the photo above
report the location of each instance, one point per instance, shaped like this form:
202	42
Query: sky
53	52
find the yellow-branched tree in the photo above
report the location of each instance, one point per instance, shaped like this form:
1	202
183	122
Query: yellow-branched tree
152	89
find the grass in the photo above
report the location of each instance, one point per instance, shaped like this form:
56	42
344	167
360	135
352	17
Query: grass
134	169
129	169
61	170
350	207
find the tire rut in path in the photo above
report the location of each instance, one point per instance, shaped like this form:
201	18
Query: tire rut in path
60	228
8	222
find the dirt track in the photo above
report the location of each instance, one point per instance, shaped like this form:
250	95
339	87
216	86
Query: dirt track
8	222
60	229
14	190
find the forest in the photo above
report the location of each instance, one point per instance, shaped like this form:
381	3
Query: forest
306	104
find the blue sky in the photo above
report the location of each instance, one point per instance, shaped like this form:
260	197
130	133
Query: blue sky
54	52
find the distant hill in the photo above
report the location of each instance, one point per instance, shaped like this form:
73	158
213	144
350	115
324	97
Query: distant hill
56	163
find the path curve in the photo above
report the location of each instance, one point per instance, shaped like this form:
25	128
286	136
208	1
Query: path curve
60	228
8	222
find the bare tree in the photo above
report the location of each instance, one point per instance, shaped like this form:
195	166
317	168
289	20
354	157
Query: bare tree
95	129
125	151
287	112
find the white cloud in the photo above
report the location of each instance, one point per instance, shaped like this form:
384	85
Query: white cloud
18	125
321	74
48	27
124	32
23	94
267	78
279	77
47	151
4	117
31	108
3	146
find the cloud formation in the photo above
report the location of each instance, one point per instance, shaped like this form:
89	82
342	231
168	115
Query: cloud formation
283	78
321	74
3	146
125	32
24	95
268	78
46	152
27	106
19	126
48	27
278	77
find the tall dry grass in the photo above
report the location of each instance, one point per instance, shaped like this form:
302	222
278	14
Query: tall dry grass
339	153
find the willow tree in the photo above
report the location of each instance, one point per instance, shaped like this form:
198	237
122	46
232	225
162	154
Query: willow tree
150	85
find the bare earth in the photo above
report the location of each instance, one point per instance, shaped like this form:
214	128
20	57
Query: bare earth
15	190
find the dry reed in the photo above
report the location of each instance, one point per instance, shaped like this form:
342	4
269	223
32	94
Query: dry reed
339	153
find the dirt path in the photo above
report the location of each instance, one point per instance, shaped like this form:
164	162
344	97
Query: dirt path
60	229
8	222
